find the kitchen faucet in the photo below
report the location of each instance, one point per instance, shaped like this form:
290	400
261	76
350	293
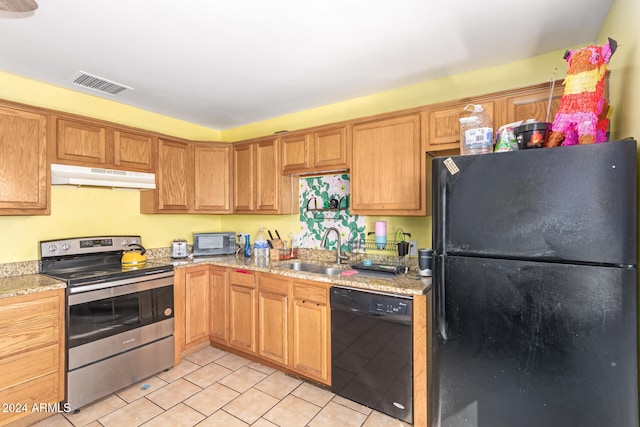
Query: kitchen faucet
339	256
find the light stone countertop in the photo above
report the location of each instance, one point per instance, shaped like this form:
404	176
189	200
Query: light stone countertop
22	278
408	284
28	284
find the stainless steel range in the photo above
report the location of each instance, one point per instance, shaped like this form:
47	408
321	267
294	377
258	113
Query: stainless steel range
119	320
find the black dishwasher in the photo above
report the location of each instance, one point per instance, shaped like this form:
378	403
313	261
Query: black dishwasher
372	350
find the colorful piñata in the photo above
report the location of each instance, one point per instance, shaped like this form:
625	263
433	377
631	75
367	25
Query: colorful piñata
583	115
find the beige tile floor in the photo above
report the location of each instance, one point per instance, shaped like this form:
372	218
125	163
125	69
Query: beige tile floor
215	388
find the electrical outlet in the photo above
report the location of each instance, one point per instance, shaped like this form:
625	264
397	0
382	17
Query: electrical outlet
413	248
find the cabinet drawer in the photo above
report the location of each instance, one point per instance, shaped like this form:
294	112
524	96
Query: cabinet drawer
26	366
29	321
39	391
274	285
242	278
306	292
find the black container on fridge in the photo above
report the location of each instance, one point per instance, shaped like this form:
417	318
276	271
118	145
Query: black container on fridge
535	288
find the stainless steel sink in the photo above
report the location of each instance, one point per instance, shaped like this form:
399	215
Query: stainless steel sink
310	268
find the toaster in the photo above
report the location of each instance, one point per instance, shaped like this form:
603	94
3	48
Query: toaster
179	248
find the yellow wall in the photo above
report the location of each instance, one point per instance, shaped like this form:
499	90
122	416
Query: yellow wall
503	77
508	76
28	91
89	211
81	211
622	25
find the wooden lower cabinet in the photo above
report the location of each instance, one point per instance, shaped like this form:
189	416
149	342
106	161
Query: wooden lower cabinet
31	354
281	321
242	310
310	331
273	318
196	310
189	286
219	305
200	296
267	317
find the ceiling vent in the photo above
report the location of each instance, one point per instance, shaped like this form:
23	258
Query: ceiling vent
99	84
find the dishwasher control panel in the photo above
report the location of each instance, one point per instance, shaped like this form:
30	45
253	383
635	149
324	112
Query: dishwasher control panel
384	306
389	306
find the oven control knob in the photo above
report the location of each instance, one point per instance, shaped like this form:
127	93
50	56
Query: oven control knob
52	248
65	247
124	242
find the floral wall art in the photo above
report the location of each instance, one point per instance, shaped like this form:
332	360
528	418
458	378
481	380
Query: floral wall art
325	203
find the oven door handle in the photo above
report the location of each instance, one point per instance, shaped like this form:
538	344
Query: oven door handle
103	284
115	291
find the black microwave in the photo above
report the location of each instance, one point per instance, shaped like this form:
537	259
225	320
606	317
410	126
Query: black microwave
215	243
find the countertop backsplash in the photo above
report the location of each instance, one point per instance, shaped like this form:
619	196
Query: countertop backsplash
325	203
18	268
31	267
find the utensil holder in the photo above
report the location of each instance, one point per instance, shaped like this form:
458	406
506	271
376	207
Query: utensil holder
403	248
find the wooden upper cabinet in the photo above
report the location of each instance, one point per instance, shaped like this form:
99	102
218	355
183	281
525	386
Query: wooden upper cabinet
444	125
267	176
258	183
330	148
533	104
190	178
388	163
243	177
24	188
173	176
212	178
95	143
82	143
318	151
132	151
296	152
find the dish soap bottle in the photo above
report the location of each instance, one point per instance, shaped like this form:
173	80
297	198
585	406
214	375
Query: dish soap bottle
247	246
261	247
476	131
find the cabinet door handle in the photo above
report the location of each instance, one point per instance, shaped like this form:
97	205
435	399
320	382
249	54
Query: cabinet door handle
243	271
304	301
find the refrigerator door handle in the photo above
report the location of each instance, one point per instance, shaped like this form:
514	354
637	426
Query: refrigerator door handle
440	298
443	219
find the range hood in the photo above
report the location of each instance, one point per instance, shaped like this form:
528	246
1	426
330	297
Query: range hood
100	177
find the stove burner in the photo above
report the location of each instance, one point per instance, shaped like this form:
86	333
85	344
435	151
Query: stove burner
87	261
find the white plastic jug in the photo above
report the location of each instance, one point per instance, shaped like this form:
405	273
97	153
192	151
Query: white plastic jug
476	131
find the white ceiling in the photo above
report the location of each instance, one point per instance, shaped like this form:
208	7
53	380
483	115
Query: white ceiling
225	64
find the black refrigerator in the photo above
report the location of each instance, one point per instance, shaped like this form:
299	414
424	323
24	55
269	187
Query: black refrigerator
535	288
